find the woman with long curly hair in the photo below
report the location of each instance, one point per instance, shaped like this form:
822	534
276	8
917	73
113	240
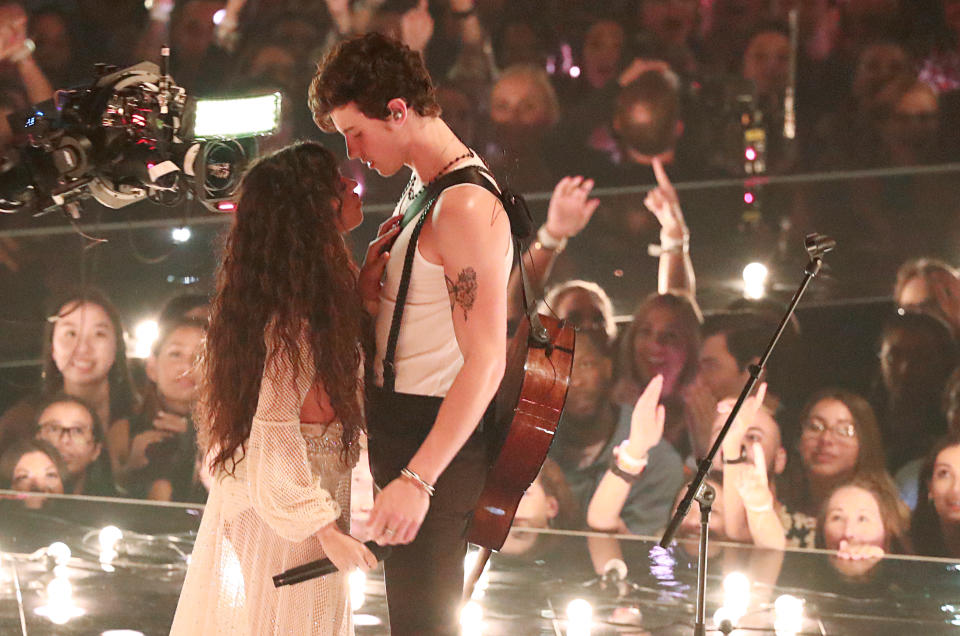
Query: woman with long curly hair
279	409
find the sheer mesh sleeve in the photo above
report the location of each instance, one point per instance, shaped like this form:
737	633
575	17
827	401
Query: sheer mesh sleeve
282	488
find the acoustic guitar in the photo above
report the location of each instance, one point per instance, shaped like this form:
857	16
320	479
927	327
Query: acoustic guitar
529	403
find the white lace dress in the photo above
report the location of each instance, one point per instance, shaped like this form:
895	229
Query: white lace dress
261	521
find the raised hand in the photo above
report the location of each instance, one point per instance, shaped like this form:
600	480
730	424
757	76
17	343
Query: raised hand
733	442
13	29
638	67
416	27
646	423
665	204
570	210
750	480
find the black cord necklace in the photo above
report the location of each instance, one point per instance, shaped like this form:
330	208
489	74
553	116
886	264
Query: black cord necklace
411	195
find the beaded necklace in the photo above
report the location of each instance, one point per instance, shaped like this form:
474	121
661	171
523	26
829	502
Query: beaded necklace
411	195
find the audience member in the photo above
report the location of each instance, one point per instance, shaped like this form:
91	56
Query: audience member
917	354
547	503
84	356
863	518
839	440
935	527
162	463
667	31
32	465
663	339
930	284
590	430
71	426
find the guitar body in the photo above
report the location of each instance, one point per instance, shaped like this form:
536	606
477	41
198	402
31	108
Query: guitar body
529	403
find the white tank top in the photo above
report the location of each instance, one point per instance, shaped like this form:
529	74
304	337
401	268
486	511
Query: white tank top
428	356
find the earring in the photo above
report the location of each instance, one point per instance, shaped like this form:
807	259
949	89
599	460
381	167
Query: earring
397	114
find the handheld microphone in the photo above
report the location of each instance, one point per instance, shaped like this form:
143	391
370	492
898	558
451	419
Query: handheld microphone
322	567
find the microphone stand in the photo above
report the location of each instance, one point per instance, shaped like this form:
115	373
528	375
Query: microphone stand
816	245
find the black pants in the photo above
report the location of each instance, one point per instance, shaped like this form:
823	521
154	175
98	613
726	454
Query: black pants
424	578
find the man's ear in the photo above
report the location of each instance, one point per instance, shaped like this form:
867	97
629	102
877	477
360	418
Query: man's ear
398	111
96	451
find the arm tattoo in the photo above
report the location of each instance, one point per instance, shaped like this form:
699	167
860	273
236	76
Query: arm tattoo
464	291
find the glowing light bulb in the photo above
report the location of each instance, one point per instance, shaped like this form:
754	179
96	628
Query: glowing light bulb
749	198
574	72
109	537
788	615
750	154
180	234
145	334
59	552
579	617
471	619
755	281
357	582
219	15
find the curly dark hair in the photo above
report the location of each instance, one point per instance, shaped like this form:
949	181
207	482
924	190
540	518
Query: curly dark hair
286	267
370	70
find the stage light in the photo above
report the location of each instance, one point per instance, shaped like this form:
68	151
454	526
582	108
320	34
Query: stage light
723	619
219	15
145	334
358	190
180	234
750	153
240	117
574	72
755	281
226	206
357	582
59	552
788	615
59	607
579	617
736	595
471	619
749	197
365	620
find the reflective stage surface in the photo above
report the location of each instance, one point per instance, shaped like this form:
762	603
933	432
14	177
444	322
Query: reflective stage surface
109	583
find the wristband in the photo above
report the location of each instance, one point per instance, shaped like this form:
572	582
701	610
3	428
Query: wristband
621	473
418	481
25	51
668	245
628	462
547	241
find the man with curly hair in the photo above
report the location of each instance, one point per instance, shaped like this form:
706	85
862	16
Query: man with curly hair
437	370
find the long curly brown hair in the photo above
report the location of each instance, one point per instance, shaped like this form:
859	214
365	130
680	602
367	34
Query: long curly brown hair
286	267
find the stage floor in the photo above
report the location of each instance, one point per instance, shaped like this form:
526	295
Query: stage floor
556	591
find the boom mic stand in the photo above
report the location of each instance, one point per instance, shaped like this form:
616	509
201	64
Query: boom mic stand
816	245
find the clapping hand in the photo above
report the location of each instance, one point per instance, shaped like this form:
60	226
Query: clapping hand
570	210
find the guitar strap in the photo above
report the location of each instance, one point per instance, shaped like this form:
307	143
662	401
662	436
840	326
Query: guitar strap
521	224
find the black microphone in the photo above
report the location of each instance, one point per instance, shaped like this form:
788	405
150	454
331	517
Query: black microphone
322	567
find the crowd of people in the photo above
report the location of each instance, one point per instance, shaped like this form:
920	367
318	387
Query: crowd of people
625	94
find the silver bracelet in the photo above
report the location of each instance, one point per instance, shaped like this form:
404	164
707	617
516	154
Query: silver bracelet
418	480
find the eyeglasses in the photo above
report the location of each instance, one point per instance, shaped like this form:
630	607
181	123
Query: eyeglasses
73	433
843	430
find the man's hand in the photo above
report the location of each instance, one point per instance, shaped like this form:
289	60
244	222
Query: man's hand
646	423
13	29
344	551
665	205
375	261
570	210
416	27
733	442
398	511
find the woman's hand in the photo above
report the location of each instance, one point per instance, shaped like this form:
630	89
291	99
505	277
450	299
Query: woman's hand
646	423
663	202
344	551
138	447
570	209
751	482
858	552
375	262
